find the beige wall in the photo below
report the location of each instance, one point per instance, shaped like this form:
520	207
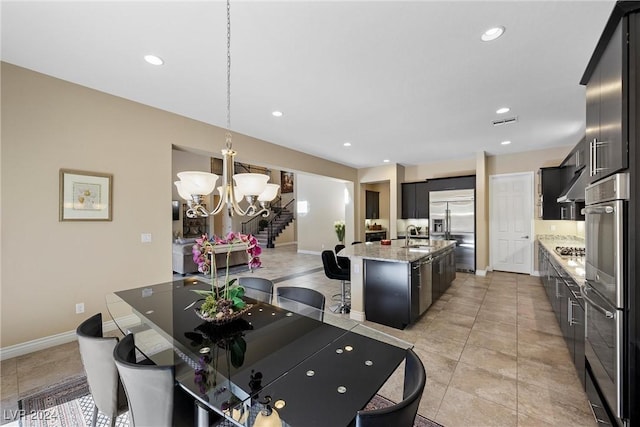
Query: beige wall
48	124
48	266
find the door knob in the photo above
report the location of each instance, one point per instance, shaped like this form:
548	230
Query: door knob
524	237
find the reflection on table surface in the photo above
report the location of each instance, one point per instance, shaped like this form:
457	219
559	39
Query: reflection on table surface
312	372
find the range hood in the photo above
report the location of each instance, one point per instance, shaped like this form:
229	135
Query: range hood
574	192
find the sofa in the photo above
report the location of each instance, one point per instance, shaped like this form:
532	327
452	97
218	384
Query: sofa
182	256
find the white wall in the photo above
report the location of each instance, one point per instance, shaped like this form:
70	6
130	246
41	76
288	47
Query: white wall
326	201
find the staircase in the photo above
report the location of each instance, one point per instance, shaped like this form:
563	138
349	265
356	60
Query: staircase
276	226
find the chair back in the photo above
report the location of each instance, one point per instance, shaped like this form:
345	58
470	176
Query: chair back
260	284
96	352
404	412
304	296
149	388
343	262
331	268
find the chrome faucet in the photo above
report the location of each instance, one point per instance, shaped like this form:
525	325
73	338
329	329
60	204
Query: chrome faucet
407	234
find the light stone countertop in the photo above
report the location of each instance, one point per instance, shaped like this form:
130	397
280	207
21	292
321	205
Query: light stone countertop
396	252
569	264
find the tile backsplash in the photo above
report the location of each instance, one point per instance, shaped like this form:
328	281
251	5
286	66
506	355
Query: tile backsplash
402	225
567	228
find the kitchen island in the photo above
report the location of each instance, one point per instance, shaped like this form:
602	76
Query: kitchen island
395	284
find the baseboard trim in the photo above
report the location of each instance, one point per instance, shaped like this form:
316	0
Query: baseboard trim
357	315
481	273
46	342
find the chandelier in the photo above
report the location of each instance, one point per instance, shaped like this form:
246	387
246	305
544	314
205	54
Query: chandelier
193	186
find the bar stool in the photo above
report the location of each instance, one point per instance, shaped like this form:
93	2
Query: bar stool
333	271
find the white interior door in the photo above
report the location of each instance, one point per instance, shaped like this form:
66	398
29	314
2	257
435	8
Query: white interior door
511	222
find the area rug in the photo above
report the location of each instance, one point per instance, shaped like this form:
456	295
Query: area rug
382	402
70	404
61	405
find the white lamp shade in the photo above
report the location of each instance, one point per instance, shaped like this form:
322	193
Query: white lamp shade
201	183
236	192
251	184
181	192
269	193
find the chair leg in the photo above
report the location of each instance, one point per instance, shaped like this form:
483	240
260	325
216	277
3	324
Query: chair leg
94	417
344	307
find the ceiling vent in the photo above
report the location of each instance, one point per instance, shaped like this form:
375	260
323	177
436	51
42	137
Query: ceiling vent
506	121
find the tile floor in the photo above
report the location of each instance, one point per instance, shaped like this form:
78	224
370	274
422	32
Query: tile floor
491	346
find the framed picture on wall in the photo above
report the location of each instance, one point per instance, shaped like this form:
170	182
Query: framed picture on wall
286	182
85	196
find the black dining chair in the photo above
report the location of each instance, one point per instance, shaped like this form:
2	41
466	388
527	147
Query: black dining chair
154	397
343	261
402	413
333	271
306	296
96	352
259	284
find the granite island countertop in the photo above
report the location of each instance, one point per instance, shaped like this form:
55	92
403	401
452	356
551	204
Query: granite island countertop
571	265
396	252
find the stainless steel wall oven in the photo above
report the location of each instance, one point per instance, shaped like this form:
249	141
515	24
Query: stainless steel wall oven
604	291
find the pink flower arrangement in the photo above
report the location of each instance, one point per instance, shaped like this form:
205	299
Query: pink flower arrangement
204	247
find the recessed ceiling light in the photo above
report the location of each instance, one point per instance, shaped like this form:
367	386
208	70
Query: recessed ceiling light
153	59
505	142
276	113
386	160
347	144
492	34
503	110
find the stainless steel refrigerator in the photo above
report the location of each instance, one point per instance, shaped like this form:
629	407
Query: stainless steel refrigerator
452	217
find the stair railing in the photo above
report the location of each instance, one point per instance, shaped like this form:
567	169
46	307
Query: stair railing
253	225
272	229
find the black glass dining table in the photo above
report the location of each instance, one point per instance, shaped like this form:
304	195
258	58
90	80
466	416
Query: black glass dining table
277	357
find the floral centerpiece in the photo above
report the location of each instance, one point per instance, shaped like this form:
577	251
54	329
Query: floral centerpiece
339	227
223	303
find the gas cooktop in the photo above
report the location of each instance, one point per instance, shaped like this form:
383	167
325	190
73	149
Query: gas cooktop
570	251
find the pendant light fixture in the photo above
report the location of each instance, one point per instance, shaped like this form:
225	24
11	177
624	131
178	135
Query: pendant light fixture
253	187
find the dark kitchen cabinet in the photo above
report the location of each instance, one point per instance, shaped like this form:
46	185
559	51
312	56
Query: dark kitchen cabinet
551	182
415	195
566	302
443	272
372	204
577	159
607	143
396	293
415	200
408	200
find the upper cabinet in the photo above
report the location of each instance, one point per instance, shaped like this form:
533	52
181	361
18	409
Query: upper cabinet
372	204
415	195
606	140
409	200
415	200
550	184
577	158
